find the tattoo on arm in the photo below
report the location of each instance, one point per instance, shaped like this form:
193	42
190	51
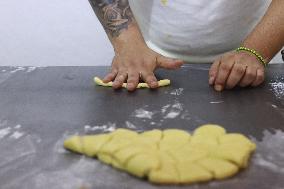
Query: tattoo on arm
115	15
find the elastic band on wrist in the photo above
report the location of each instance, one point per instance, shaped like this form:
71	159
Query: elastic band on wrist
256	54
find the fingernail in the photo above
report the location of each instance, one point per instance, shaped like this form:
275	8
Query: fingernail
130	85
218	87
211	80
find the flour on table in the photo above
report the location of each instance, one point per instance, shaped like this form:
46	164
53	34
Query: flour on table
142	113
17	135
173	111
164	108
177	92
17	69
274	106
130	125
108	127
72	177
22	147
31	69
18	126
270	152
4	132
277	87
185	115
14	132
216	102
12	70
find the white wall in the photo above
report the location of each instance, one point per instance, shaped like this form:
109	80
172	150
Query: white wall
52	32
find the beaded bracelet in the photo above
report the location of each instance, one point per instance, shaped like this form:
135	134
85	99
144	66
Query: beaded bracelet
258	56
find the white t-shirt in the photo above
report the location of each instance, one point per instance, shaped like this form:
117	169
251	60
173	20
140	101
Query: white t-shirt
196	30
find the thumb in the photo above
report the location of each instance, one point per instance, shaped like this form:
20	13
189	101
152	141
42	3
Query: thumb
169	63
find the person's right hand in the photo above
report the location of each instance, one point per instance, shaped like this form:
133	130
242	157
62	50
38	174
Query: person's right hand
134	62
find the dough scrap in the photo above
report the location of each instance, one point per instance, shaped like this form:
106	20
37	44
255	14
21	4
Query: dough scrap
171	156
161	83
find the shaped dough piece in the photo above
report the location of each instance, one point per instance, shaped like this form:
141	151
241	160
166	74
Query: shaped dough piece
192	172
120	138
210	130
141	164
88	145
171	156
236	153
167	172
188	154
237	138
207	143
221	169
155	134
173	139
161	83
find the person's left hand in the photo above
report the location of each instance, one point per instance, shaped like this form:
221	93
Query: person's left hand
236	68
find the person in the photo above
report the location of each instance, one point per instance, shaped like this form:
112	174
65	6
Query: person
152	34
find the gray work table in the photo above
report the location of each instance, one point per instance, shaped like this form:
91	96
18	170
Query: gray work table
40	107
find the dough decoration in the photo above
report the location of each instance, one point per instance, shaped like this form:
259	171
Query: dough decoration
171	156
161	83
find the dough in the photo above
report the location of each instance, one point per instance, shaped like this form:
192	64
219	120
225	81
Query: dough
161	83
171	156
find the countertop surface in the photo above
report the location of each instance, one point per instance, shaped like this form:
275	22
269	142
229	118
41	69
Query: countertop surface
41	106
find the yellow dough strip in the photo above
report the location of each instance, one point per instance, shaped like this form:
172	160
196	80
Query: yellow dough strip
161	83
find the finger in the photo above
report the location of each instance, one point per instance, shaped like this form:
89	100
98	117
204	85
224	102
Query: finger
150	79
119	80
224	71
110	76
235	76
249	77
259	78
213	71
168	63
132	80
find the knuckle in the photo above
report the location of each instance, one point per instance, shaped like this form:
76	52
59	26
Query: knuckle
120	78
122	70
132	80
114	71
111	74
250	74
133	75
226	67
239	69
260	77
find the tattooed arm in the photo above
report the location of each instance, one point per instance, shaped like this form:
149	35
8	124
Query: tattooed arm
114	15
133	59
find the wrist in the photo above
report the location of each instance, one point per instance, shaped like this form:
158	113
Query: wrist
128	39
259	49
254	53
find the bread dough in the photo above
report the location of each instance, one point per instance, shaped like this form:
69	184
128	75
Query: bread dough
161	83
171	156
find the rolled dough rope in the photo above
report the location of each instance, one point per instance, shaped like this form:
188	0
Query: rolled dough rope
171	156
161	83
